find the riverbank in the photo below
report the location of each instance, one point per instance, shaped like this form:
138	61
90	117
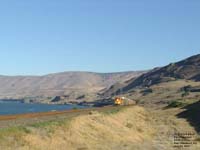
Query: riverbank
31	118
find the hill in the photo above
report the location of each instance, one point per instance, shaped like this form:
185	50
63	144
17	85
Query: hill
70	84
176	82
188	69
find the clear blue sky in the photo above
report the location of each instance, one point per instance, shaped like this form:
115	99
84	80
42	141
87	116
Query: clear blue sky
45	36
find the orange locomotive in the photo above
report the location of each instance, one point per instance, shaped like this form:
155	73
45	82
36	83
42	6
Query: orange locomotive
118	100
123	101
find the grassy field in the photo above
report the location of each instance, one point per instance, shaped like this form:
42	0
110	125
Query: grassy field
114	128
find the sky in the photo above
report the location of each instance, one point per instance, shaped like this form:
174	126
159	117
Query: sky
46	36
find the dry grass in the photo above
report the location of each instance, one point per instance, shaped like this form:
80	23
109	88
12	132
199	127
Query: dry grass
96	131
164	93
166	124
131	128
121	130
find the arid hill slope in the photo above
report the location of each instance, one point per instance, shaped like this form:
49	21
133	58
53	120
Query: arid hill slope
60	83
188	69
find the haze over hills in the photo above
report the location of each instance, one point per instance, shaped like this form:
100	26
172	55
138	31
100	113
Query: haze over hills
58	84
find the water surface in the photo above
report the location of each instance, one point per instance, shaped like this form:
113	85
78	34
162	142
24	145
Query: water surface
17	107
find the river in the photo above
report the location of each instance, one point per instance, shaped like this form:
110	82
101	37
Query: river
17	107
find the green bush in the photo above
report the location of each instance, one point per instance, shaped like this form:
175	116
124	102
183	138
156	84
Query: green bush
147	91
175	104
185	94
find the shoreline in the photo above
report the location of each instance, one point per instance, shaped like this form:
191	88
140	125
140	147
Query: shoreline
53	113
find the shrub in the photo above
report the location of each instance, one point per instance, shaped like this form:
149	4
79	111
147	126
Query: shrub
175	104
185	94
186	88
147	91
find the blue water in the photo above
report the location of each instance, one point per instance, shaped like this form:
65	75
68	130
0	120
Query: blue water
15	107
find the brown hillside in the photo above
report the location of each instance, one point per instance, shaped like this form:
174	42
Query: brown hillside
66	83
188	69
